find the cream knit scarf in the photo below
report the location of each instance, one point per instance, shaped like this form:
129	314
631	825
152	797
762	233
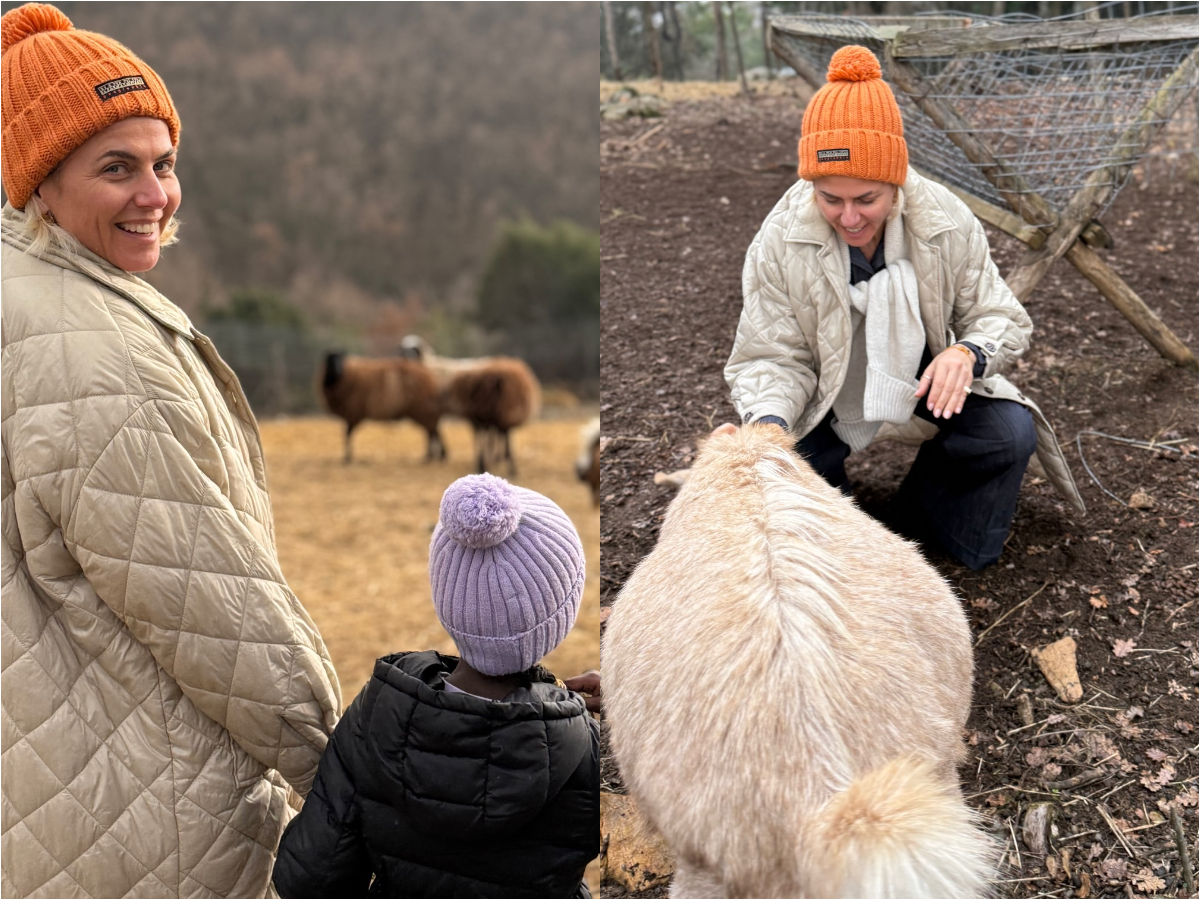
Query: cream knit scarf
886	348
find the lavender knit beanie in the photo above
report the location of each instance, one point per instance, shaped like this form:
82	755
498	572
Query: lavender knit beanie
507	571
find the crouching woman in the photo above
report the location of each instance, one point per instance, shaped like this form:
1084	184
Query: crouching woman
873	309
163	689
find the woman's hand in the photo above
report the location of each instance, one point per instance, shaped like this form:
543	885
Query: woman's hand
947	381
588	684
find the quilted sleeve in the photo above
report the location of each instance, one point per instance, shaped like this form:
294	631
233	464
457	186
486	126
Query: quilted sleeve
986	313
322	853
771	370
163	547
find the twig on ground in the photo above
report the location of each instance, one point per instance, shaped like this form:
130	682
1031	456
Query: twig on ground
1072	837
1185	861
1117	788
979	640
1075	781
1108	820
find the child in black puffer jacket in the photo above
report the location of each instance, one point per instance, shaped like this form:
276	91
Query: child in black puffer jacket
471	777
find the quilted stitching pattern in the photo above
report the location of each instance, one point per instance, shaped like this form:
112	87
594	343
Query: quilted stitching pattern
793	338
156	667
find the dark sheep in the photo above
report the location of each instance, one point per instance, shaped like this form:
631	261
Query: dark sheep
494	393
355	388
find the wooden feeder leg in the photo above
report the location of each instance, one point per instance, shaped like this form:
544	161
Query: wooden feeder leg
1098	186
1130	305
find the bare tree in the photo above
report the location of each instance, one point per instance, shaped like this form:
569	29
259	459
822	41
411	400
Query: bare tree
610	32
719	30
737	47
672	34
764	14
651	39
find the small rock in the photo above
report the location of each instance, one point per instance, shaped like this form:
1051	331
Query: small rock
1057	662
1035	829
635	856
1025	709
1141	500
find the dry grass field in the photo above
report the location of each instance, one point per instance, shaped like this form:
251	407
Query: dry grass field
354	539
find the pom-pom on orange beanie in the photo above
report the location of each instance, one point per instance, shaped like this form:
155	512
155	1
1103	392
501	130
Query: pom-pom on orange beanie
60	87
852	124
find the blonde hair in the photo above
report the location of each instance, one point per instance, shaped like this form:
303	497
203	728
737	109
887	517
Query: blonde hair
37	226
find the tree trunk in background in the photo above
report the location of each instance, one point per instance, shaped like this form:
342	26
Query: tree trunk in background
737	47
610	33
765	13
651	39
998	7
719	31
673	35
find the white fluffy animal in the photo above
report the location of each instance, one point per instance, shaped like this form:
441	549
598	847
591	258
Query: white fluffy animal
786	683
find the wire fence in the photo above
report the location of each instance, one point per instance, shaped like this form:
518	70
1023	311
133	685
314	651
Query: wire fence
1053	116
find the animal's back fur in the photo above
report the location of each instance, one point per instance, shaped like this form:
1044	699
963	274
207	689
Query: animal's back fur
776	646
503	393
358	388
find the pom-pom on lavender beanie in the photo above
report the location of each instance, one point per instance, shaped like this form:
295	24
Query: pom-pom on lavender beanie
507	571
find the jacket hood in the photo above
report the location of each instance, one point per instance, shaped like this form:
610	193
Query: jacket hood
466	765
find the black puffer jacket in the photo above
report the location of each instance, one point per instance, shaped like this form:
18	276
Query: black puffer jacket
439	794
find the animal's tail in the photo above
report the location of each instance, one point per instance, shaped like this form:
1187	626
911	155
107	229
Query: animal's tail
900	831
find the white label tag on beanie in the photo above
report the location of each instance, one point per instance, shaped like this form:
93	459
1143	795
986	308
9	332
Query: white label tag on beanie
119	86
842	155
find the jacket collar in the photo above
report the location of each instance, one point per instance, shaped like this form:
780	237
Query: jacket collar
923	215
129	286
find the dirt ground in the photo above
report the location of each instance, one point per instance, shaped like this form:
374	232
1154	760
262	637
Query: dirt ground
681	198
354	539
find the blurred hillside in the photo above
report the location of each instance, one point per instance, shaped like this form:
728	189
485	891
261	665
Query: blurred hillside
360	159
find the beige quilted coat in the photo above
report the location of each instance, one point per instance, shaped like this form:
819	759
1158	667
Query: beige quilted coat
792	347
161	684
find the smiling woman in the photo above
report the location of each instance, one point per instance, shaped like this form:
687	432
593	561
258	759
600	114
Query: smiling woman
117	193
164	691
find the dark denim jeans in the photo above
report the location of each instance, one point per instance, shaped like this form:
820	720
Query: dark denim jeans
962	488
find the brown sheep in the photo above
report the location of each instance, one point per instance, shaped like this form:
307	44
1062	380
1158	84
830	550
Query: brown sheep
786	682
355	388
587	464
494	393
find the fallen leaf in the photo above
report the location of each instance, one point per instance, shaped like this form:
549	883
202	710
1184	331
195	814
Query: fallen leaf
1115	868
1190	797
1155	754
1099	602
1146	881
1184	727
1123	648
1154	783
998	799
1051	771
1133	595
1134	712
1055	719
1036	757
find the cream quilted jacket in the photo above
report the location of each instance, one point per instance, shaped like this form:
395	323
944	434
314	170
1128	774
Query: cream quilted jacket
162	686
793	340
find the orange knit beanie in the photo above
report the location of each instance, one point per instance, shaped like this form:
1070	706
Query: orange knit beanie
60	87
852	124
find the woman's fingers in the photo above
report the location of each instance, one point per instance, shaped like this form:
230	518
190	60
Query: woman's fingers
951	376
